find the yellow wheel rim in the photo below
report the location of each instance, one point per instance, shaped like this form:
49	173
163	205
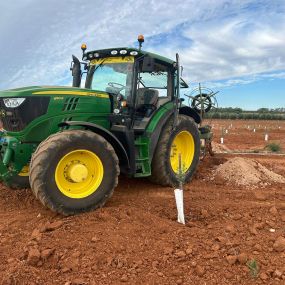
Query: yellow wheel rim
184	145
24	171
79	174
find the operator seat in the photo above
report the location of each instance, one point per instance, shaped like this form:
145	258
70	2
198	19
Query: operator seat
147	100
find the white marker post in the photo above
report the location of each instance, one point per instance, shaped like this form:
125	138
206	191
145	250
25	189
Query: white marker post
266	137
222	140
178	193
179	205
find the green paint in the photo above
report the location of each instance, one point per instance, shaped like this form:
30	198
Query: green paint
143	142
16	148
88	108
68	104
156	118
143	163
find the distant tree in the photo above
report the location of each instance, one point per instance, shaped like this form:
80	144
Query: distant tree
263	110
238	110
232	116
268	116
261	116
239	113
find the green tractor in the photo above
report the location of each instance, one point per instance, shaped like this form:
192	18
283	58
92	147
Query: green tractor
69	144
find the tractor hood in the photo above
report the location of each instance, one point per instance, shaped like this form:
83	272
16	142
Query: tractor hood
51	90
24	108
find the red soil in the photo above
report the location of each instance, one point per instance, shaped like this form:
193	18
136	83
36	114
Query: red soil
135	238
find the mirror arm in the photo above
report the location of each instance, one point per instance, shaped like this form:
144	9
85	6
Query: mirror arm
177	98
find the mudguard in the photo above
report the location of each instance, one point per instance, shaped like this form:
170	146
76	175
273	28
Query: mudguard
185	110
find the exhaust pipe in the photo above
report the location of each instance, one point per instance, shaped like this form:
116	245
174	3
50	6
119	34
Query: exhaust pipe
76	71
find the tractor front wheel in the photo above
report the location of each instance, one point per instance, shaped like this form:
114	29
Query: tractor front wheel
181	143
74	171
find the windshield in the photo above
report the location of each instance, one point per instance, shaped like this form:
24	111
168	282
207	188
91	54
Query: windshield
112	74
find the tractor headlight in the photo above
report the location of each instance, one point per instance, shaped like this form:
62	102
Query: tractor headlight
123	51
13	102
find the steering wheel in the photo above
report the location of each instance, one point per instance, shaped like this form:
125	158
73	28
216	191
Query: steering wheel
113	85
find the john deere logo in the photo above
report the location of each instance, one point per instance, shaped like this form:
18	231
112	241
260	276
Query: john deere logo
2	113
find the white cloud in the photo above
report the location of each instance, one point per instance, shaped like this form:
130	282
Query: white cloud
226	39
222	52
222	84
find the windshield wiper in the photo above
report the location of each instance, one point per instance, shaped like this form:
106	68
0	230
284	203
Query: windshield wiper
100	64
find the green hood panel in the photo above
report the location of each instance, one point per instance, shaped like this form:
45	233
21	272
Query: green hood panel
52	91
45	107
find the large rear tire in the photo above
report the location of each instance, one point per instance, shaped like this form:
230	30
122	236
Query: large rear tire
183	141
74	171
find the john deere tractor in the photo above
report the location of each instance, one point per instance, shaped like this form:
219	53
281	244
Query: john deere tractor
69	144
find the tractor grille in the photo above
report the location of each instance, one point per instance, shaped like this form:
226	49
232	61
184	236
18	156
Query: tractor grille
16	119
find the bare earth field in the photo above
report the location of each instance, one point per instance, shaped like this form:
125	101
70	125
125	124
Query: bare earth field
234	232
241	135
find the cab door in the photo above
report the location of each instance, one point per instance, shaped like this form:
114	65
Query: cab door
154	89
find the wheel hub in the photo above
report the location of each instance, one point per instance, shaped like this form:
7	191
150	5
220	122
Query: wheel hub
77	172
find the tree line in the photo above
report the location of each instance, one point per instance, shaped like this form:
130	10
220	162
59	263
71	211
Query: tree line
239	113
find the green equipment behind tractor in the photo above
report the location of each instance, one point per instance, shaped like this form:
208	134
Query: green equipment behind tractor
69	144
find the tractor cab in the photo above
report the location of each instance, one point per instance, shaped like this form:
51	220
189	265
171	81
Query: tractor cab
138	82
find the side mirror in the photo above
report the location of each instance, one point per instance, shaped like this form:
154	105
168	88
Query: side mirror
148	64
76	71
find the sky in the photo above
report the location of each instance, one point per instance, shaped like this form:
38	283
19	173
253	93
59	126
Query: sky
236	47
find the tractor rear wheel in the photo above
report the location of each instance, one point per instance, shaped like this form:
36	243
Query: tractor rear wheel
74	171
182	141
19	181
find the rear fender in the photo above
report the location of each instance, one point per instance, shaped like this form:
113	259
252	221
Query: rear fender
164	119
185	110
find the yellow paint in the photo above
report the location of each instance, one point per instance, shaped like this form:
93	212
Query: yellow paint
117	59
25	171
184	145
66	92
79	174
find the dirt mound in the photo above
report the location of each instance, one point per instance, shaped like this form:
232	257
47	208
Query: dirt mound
246	171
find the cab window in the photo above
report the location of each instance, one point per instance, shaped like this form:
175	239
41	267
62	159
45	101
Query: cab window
159	79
